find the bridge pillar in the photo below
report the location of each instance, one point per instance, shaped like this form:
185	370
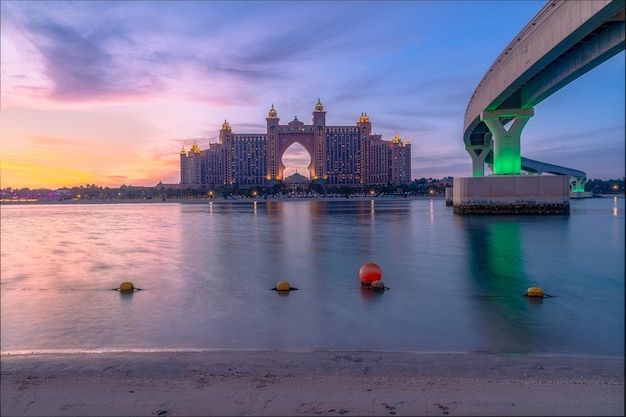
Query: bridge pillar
578	184
478	153
507	158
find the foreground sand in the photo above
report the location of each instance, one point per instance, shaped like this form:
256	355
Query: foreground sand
278	383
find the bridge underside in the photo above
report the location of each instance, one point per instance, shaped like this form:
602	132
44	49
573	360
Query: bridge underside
563	41
595	40
577	179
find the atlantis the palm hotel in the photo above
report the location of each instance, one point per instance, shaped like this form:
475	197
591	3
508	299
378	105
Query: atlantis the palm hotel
340	155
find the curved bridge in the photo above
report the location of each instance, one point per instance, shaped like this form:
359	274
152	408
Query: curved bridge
563	41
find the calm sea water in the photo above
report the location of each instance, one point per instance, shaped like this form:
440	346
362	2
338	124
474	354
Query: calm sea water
206	270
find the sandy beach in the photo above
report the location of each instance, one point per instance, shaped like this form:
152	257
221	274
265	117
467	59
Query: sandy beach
281	383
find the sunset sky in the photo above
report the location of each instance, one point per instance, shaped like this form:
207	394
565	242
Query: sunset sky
107	93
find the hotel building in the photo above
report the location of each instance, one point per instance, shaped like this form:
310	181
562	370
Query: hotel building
340	155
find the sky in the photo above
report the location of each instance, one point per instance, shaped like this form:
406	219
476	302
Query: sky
107	93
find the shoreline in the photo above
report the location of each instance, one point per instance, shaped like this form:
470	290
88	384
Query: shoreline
222	200
242	200
316	382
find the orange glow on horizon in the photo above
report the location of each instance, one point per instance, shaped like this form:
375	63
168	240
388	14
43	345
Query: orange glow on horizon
39	176
53	176
101	146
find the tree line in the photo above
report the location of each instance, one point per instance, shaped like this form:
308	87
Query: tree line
165	191
422	186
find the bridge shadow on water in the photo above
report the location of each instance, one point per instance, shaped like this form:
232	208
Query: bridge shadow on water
497	264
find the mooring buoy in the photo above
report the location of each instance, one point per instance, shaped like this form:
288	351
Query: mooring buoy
369	273
283	286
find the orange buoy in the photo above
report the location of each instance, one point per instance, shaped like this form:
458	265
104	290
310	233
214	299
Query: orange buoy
369	273
534	292
127	286
283	286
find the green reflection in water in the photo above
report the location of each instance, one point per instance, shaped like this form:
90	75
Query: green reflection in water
499	280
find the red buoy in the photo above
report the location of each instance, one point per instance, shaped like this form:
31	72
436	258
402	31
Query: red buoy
369	273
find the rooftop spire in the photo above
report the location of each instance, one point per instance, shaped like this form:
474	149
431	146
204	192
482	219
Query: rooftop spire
272	113
319	107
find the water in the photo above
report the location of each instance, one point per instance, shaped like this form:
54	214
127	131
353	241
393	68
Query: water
206	270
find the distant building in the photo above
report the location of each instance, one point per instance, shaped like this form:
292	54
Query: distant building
340	155
296	178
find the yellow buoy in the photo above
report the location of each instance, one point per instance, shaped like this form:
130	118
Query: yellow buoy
534	292
127	286
282	286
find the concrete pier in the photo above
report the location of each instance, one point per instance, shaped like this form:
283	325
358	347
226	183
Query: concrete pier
512	194
449	196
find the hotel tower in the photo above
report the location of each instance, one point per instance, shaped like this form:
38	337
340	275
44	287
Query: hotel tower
340	155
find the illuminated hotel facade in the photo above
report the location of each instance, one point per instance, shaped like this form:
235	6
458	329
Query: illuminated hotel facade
340	155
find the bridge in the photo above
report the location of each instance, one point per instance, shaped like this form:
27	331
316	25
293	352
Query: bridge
566	39
577	178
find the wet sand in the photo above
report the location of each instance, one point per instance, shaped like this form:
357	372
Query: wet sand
288	383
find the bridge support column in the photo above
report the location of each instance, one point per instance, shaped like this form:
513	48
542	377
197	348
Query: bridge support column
478	153
578	184
507	158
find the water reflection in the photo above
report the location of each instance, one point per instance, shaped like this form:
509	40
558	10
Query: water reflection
432	212
457	282
126	297
496	263
371	296
318	208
